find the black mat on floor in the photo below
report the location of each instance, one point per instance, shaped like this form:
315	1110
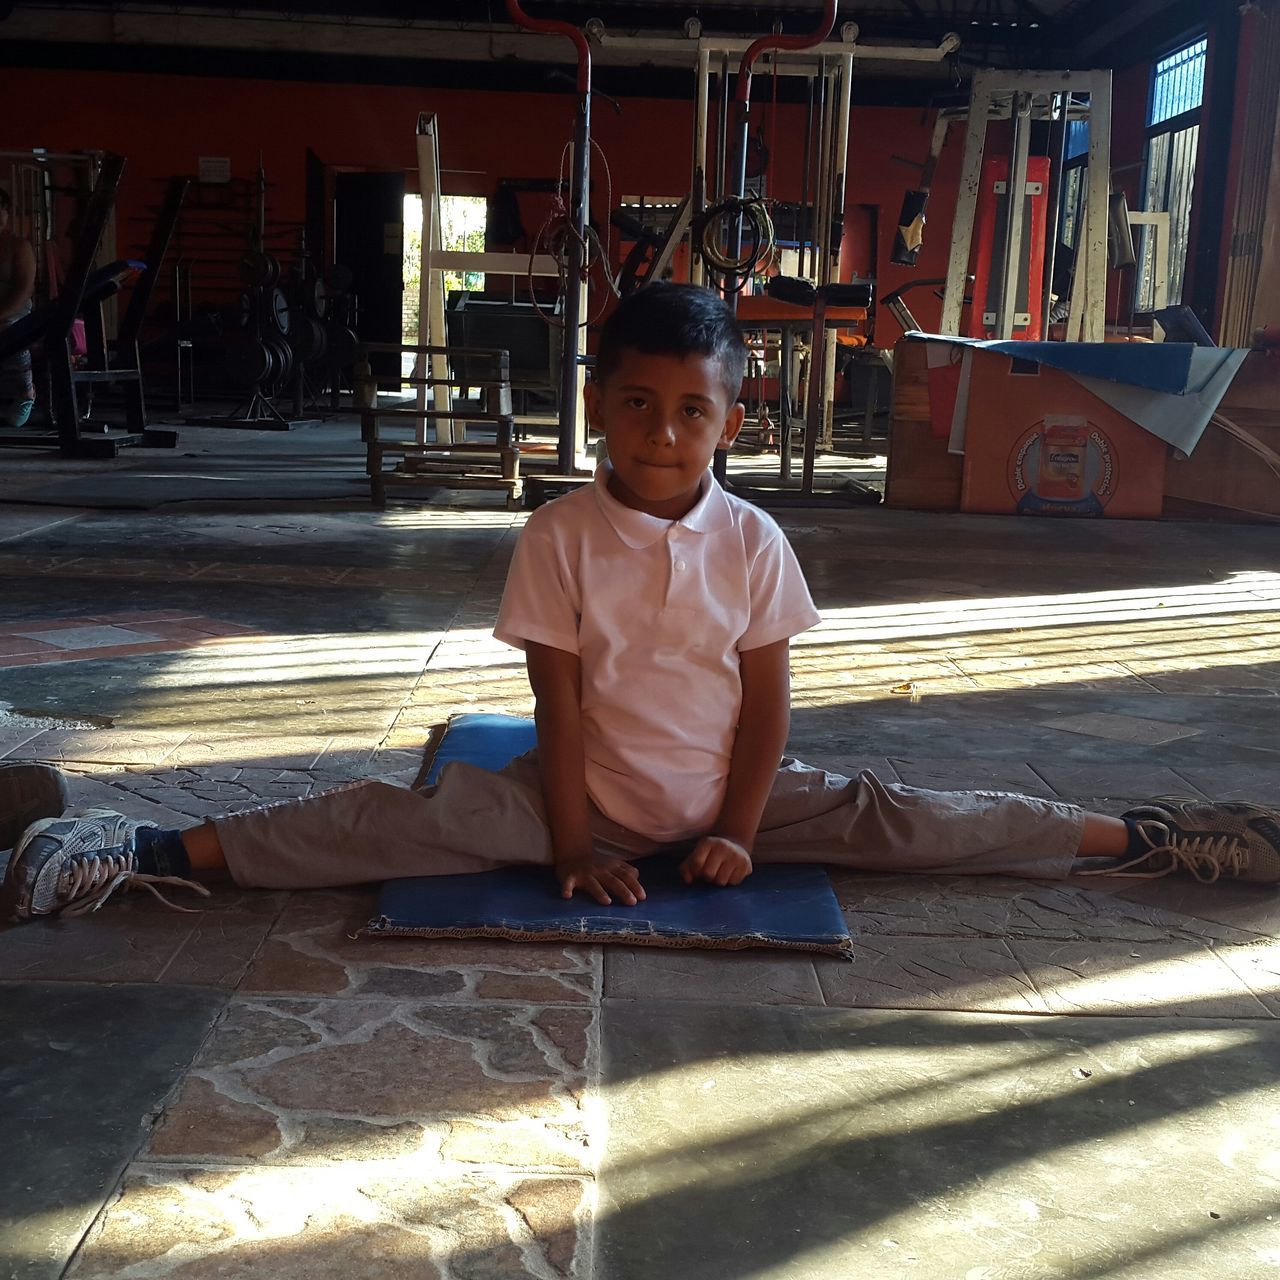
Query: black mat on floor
144	489
81	1067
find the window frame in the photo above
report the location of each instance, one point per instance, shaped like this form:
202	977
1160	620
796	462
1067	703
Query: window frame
1168	128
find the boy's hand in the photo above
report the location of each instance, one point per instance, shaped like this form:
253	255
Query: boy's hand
717	860
598	875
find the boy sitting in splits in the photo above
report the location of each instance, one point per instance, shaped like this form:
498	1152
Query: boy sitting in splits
654	611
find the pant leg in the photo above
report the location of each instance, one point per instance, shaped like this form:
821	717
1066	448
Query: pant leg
863	823
15	370
472	820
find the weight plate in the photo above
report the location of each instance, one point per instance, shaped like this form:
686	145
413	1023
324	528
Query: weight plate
247	362
279	305
307	339
283	358
256	268
317	296
338	278
344	346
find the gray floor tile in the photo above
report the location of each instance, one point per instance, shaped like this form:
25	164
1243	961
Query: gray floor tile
14	742
140	940
750	977
82	1068
1148	980
1073	781
1258	967
810	1144
968	974
104	746
1123	728
1074	910
1240	781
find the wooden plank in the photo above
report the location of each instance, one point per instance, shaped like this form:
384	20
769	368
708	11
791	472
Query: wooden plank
1223	475
921	475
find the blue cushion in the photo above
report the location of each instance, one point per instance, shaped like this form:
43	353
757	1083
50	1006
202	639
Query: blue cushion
489	741
789	906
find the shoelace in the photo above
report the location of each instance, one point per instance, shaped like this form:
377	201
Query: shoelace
88	881
1205	857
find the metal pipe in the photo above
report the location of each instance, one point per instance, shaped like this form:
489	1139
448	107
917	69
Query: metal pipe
698	186
722	131
742	97
822	181
777	41
803	247
1012	277
842	140
550	27
567	451
1057	162
681	48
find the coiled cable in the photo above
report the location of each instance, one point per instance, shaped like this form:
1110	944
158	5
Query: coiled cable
717	226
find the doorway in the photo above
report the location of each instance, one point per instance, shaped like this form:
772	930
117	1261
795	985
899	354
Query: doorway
368	239
462	227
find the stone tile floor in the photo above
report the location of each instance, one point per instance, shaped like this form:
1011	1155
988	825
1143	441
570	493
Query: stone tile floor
1009	1079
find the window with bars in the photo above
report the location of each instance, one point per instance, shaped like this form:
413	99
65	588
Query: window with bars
1173	130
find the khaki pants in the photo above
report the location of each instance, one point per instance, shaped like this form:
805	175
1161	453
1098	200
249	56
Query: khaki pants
475	820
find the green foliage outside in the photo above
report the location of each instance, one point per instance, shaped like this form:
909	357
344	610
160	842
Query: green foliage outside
462	220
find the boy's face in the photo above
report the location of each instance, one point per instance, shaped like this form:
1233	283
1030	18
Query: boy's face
663	418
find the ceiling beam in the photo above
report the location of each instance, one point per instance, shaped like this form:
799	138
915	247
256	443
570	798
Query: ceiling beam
1034	12
1126	18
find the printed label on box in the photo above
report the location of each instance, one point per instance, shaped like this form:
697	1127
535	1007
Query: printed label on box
1062	466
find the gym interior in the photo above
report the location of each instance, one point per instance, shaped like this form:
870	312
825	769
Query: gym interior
297	306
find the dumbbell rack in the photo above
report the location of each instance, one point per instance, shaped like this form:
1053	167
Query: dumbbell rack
260	358
257	357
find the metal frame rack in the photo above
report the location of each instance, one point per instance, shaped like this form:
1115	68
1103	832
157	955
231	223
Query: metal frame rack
1021	97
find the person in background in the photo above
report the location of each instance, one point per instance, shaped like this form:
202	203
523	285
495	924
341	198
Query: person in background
17	283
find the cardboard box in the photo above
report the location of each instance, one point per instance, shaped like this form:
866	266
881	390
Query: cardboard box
1037	443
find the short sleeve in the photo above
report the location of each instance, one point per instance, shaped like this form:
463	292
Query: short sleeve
781	606
540	603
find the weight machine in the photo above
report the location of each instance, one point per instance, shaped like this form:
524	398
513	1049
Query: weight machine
86	291
828	65
1022	97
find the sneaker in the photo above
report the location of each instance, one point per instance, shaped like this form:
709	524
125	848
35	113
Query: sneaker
1206	839
71	866
28	793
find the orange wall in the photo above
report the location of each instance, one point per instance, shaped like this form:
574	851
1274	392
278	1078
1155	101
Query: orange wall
164	123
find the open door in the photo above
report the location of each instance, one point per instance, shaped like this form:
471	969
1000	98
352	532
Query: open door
368	239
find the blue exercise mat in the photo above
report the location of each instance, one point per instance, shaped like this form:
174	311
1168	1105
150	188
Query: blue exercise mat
788	906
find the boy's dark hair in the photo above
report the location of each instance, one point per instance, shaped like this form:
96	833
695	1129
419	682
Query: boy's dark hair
674	320
5	202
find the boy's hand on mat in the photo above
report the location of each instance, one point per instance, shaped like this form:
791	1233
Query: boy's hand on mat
598	875
717	860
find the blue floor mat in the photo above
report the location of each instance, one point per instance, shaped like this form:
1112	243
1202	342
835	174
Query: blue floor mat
776	906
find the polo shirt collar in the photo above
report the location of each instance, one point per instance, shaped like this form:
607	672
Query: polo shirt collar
637	529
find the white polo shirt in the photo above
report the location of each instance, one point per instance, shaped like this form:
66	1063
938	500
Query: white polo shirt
658	612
